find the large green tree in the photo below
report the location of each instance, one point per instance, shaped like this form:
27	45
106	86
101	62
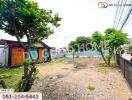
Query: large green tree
73	46
112	40
24	18
81	43
98	43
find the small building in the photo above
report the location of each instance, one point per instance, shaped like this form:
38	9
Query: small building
53	53
15	55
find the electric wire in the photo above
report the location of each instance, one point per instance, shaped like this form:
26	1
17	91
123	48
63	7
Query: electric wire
127	17
122	11
116	12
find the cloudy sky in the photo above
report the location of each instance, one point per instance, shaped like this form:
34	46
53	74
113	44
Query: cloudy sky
79	18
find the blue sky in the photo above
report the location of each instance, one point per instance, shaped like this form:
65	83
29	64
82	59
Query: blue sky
79	18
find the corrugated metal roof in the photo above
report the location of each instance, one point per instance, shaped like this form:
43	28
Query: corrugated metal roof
16	43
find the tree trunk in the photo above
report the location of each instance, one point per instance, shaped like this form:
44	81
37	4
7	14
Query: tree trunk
25	82
111	52
109	60
103	56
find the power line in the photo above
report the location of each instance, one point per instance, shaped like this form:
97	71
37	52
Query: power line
116	12
120	17
128	15
119	12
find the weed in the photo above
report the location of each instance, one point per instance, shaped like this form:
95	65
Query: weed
90	88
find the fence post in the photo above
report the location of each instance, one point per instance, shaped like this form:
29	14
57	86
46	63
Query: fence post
124	68
117	59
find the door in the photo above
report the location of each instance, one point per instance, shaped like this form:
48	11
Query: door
41	54
17	56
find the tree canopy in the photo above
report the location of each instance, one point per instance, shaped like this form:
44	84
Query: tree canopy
81	43
112	40
21	18
97	40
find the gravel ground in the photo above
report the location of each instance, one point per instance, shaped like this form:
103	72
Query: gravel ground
80	79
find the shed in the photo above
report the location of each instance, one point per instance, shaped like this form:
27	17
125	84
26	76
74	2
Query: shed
16	53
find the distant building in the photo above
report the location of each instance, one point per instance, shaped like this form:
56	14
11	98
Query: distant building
130	41
126	46
58	52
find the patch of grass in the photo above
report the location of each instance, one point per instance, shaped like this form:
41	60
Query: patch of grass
54	61
11	76
3	76
103	68
78	61
90	88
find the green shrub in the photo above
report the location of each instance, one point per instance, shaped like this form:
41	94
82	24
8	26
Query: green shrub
28	62
130	47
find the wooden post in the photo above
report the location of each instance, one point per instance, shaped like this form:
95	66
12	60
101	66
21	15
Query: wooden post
49	54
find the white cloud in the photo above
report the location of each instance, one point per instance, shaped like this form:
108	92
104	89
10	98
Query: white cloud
80	17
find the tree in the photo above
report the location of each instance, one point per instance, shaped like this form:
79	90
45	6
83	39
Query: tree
81	43
24	18
98	43
73	46
112	40
84	42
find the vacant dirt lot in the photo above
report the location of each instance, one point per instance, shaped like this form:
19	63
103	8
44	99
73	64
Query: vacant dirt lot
80	79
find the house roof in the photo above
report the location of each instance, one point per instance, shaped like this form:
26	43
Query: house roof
10	42
45	45
16	43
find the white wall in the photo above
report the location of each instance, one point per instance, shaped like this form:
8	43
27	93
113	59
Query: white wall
3	56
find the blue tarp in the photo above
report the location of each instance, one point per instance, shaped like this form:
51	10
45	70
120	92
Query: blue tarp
34	54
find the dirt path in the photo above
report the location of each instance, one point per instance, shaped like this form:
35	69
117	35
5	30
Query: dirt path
82	80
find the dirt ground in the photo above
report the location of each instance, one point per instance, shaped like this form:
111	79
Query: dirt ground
80	79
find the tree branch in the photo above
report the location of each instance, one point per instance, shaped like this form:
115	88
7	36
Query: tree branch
19	40
29	44
15	29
